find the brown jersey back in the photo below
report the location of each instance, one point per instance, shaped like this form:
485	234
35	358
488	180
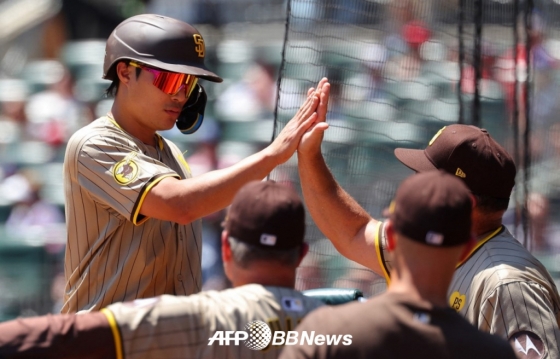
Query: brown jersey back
392	325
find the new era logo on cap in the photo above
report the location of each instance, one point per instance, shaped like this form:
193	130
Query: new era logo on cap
460	173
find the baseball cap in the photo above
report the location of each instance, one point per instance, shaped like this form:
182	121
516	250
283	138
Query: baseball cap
433	208
467	152
267	214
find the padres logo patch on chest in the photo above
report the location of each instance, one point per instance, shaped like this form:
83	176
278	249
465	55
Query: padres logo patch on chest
126	170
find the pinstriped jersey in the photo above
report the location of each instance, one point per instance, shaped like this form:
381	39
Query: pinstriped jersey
180	327
113	253
503	289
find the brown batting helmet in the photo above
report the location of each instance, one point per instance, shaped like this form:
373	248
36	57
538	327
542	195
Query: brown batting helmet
158	41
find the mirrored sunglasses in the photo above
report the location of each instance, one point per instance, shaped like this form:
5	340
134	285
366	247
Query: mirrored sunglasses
170	82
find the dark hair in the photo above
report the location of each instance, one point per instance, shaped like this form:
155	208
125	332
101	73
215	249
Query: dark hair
488	204
245	254
114	86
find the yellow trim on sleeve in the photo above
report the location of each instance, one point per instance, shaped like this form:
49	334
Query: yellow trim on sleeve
144	194
115	331
378	250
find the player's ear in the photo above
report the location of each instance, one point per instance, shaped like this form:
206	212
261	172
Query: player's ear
390	233
123	72
226	248
304	250
473	200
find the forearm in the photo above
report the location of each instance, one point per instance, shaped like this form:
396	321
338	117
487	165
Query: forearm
336	213
58	336
187	200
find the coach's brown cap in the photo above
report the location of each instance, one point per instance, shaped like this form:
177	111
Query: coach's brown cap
433	208
267	214
467	152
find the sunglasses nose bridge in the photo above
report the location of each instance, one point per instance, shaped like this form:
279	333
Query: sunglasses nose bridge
182	88
188	87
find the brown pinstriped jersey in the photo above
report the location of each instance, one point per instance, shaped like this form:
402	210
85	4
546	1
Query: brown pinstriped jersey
113	253
503	289
180	327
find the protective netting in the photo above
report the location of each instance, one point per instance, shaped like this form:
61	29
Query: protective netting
402	69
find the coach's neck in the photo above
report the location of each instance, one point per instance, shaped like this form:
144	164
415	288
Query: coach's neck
268	273
484	222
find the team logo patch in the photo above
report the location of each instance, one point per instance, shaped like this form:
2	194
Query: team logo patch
457	301
126	171
527	345
292	304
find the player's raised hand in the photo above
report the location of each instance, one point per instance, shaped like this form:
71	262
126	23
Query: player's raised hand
310	142
288	139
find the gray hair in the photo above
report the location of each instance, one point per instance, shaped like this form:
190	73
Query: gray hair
244	254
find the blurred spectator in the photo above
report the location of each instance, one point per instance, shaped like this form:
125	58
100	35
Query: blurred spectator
13	120
405	33
544	197
31	217
509	70
54	113
369	84
252	98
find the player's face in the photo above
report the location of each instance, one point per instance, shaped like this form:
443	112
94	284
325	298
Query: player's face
155	109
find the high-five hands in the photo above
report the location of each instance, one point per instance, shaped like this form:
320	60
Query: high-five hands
310	143
310	115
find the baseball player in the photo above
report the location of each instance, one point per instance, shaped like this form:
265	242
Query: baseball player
262	244
499	287
133	210
428	232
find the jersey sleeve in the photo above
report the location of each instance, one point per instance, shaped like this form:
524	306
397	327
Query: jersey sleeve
55	336
522	312
115	173
162	327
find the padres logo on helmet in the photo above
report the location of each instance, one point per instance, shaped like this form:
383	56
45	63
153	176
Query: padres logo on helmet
166	44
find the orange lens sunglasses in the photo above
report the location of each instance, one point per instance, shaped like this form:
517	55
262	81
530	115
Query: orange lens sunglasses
170	82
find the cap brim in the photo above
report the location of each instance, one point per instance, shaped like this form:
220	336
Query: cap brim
193	70
201	72
414	159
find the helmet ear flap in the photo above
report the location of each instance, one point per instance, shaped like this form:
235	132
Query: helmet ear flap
192	114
